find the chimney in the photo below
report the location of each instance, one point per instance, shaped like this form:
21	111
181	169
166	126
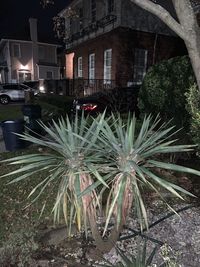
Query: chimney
33	29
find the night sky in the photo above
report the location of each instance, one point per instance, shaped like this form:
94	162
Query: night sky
15	14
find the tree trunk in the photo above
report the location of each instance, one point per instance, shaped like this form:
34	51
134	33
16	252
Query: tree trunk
194	54
186	27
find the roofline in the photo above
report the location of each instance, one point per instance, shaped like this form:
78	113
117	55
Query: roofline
24	41
62	12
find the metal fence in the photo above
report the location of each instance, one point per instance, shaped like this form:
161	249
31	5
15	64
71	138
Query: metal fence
77	87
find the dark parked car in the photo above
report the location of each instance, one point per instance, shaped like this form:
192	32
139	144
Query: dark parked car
123	99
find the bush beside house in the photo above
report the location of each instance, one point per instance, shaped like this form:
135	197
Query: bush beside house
163	90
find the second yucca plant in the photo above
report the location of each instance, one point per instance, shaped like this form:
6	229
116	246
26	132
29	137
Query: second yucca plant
89	156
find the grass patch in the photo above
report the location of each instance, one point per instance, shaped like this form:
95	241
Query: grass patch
15	211
10	112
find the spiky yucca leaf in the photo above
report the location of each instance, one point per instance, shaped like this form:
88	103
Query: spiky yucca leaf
67	160
129	154
140	260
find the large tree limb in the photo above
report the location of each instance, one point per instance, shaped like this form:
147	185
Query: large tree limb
185	13
163	15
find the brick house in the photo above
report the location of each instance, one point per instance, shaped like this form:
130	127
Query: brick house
113	42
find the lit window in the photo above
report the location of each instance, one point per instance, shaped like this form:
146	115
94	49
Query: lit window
107	66
16	50
91	68
140	64
24	76
80	67
49	75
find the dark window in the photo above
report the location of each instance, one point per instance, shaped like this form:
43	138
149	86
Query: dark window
140	64
81	18
11	87
110	6
93	10
23	86
16	50
49	75
41	52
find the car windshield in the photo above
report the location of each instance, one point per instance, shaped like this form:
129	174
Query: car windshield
23	86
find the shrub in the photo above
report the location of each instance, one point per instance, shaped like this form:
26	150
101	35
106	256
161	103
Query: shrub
164	87
193	107
55	105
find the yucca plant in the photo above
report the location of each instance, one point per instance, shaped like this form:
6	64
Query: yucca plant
141	259
132	157
69	156
88	156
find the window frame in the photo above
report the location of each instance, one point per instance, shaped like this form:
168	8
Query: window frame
18	49
24	76
80	67
91	68
49	71
107	66
139	69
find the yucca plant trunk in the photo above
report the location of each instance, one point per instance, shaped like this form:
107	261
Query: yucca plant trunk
90	210
104	246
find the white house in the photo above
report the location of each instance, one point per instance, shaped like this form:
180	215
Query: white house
30	60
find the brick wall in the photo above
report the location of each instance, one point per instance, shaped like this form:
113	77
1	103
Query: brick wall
123	41
96	46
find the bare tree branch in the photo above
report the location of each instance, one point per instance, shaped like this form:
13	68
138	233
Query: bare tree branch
164	15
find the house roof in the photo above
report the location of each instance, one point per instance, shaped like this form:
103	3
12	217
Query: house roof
144	20
3	41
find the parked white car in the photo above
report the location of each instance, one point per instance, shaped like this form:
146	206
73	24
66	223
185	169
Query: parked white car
13	92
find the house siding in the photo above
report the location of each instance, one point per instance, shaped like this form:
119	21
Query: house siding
26	62
22	62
